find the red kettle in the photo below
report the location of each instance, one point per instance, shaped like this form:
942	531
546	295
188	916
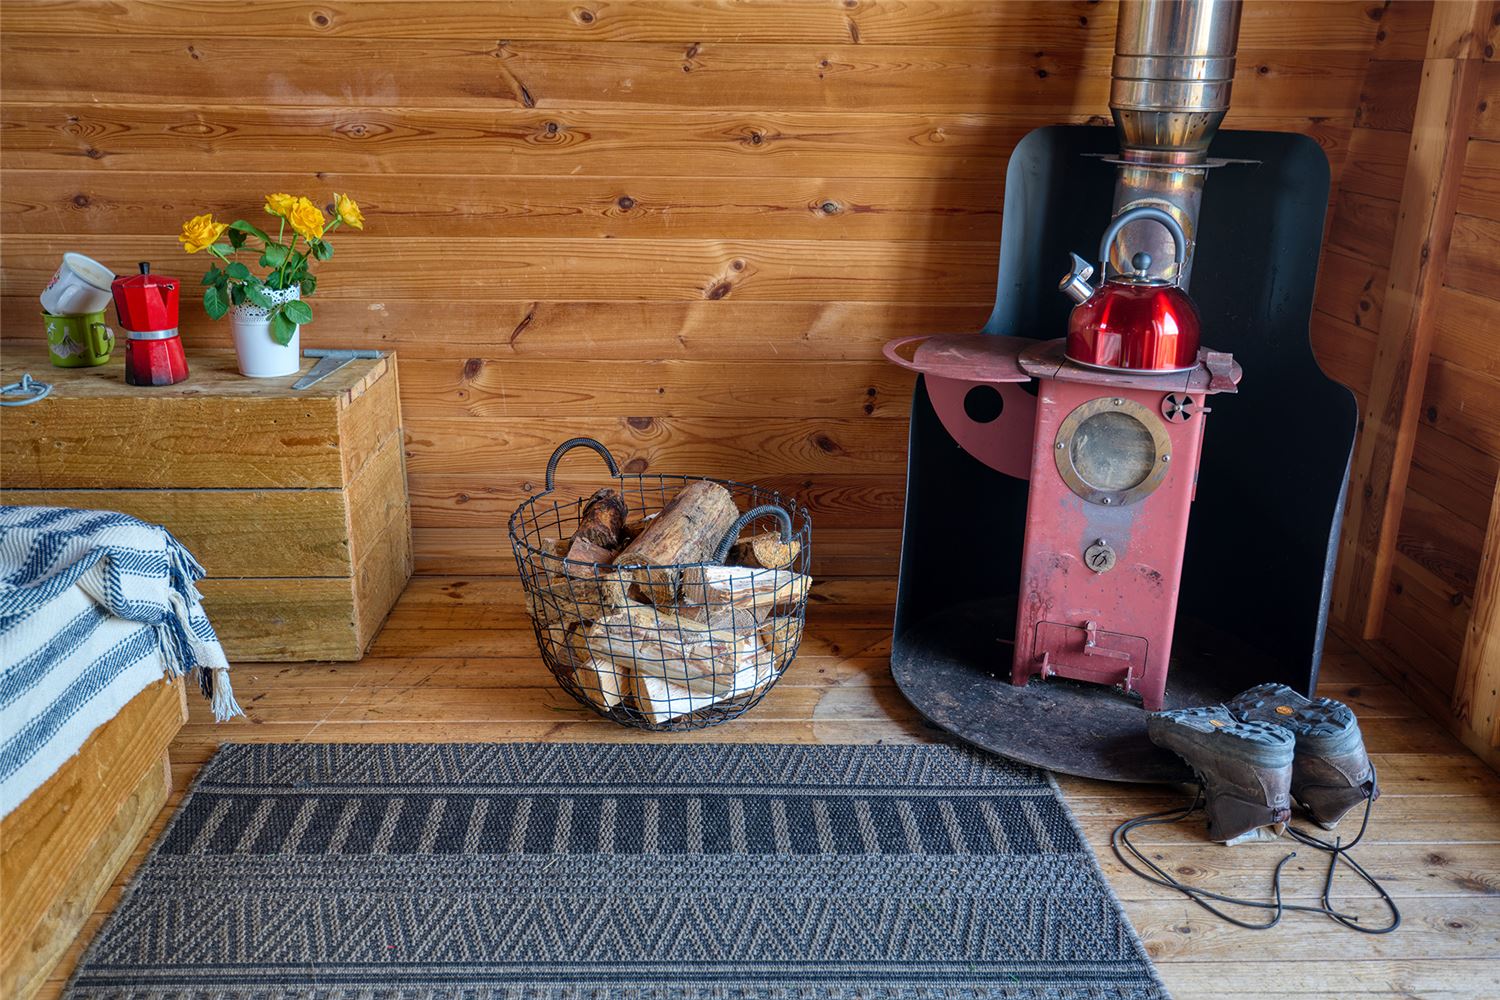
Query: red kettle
1132	322
147	306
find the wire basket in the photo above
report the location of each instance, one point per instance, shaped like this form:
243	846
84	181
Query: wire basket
662	647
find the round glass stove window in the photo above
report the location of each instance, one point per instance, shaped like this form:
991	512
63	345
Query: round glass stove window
1113	451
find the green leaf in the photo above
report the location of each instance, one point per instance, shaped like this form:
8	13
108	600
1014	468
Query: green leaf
214	303
258	295
322	250
236	238
282	329
240	225
211	276
224	248
238	271
297	311
237	294
309	284
274	255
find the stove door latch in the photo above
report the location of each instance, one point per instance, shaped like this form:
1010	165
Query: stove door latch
1091	645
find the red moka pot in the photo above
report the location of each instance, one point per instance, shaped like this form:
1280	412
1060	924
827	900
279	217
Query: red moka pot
1132	323
146	304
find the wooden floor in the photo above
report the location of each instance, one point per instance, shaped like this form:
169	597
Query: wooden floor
457	662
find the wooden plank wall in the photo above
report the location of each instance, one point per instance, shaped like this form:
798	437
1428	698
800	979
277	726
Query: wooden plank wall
682	226
1445	531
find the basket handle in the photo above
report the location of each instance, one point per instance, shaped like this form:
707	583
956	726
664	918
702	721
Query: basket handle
567	446
734	529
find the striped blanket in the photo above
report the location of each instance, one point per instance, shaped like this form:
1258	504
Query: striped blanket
94	606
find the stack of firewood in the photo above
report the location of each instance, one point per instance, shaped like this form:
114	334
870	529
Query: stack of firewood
639	615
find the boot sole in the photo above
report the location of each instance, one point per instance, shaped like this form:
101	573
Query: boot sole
1255	743
1282	706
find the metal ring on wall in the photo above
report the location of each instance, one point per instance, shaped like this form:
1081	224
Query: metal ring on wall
1159	444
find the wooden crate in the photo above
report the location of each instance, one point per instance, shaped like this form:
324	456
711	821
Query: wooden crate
294	502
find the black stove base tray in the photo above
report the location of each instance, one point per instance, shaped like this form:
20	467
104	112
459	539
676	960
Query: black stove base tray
954	667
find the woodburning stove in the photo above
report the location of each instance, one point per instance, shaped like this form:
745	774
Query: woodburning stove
1069	444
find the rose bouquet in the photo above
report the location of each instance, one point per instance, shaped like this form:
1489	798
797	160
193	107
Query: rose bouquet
287	266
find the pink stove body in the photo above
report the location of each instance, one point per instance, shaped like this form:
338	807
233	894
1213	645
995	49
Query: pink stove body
1112	478
1113	467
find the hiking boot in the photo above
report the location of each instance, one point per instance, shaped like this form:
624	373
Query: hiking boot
1331	773
1245	767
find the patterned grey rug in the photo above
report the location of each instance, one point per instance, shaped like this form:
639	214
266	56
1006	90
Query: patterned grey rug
565	872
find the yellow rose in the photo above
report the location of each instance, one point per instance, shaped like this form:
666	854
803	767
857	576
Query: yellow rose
201	232
280	204
306	219
348	211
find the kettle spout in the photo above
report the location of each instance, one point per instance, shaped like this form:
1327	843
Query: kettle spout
1075	284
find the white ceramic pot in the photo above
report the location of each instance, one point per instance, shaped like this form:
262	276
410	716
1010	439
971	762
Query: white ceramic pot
259	355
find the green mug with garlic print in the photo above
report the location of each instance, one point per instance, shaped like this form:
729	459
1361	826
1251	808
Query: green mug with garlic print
81	341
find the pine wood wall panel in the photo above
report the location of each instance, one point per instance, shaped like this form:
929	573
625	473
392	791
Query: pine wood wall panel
749	197
1433	637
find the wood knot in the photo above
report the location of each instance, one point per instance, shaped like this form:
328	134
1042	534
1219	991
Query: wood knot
718	291
692	51
1041	74
1432	414
737	264
81	200
625	202
552	128
321	19
584	15
1456	599
830	208
93	153
635	466
826	444
1262	69
641	423
472	368
193	52
757	137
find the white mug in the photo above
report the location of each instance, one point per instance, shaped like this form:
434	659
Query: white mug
80	285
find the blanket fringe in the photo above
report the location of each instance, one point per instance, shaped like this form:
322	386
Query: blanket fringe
222	696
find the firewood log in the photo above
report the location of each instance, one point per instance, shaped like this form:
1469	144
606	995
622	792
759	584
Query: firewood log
660	700
641	640
598	680
765	550
782	635
759	591
635	526
581	587
737	620
687	530
603	521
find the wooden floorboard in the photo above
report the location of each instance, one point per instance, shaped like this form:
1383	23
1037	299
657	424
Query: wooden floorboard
457	661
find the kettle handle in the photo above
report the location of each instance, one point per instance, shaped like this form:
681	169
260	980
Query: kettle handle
1179	238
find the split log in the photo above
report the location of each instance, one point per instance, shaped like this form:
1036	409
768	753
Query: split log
765	550
686	530
598	679
603	521
581	587
759	591
782	635
635	526
643	641
661	701
737	620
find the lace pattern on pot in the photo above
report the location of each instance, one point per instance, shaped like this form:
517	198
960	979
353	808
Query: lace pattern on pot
252	311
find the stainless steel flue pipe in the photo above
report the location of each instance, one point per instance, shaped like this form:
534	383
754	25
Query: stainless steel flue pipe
1173	69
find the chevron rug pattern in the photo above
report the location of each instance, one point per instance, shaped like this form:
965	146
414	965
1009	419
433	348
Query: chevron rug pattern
617	872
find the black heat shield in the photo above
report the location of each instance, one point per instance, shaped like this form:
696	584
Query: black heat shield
1263	531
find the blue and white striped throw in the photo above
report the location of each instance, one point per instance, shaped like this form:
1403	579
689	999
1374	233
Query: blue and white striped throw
94	606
